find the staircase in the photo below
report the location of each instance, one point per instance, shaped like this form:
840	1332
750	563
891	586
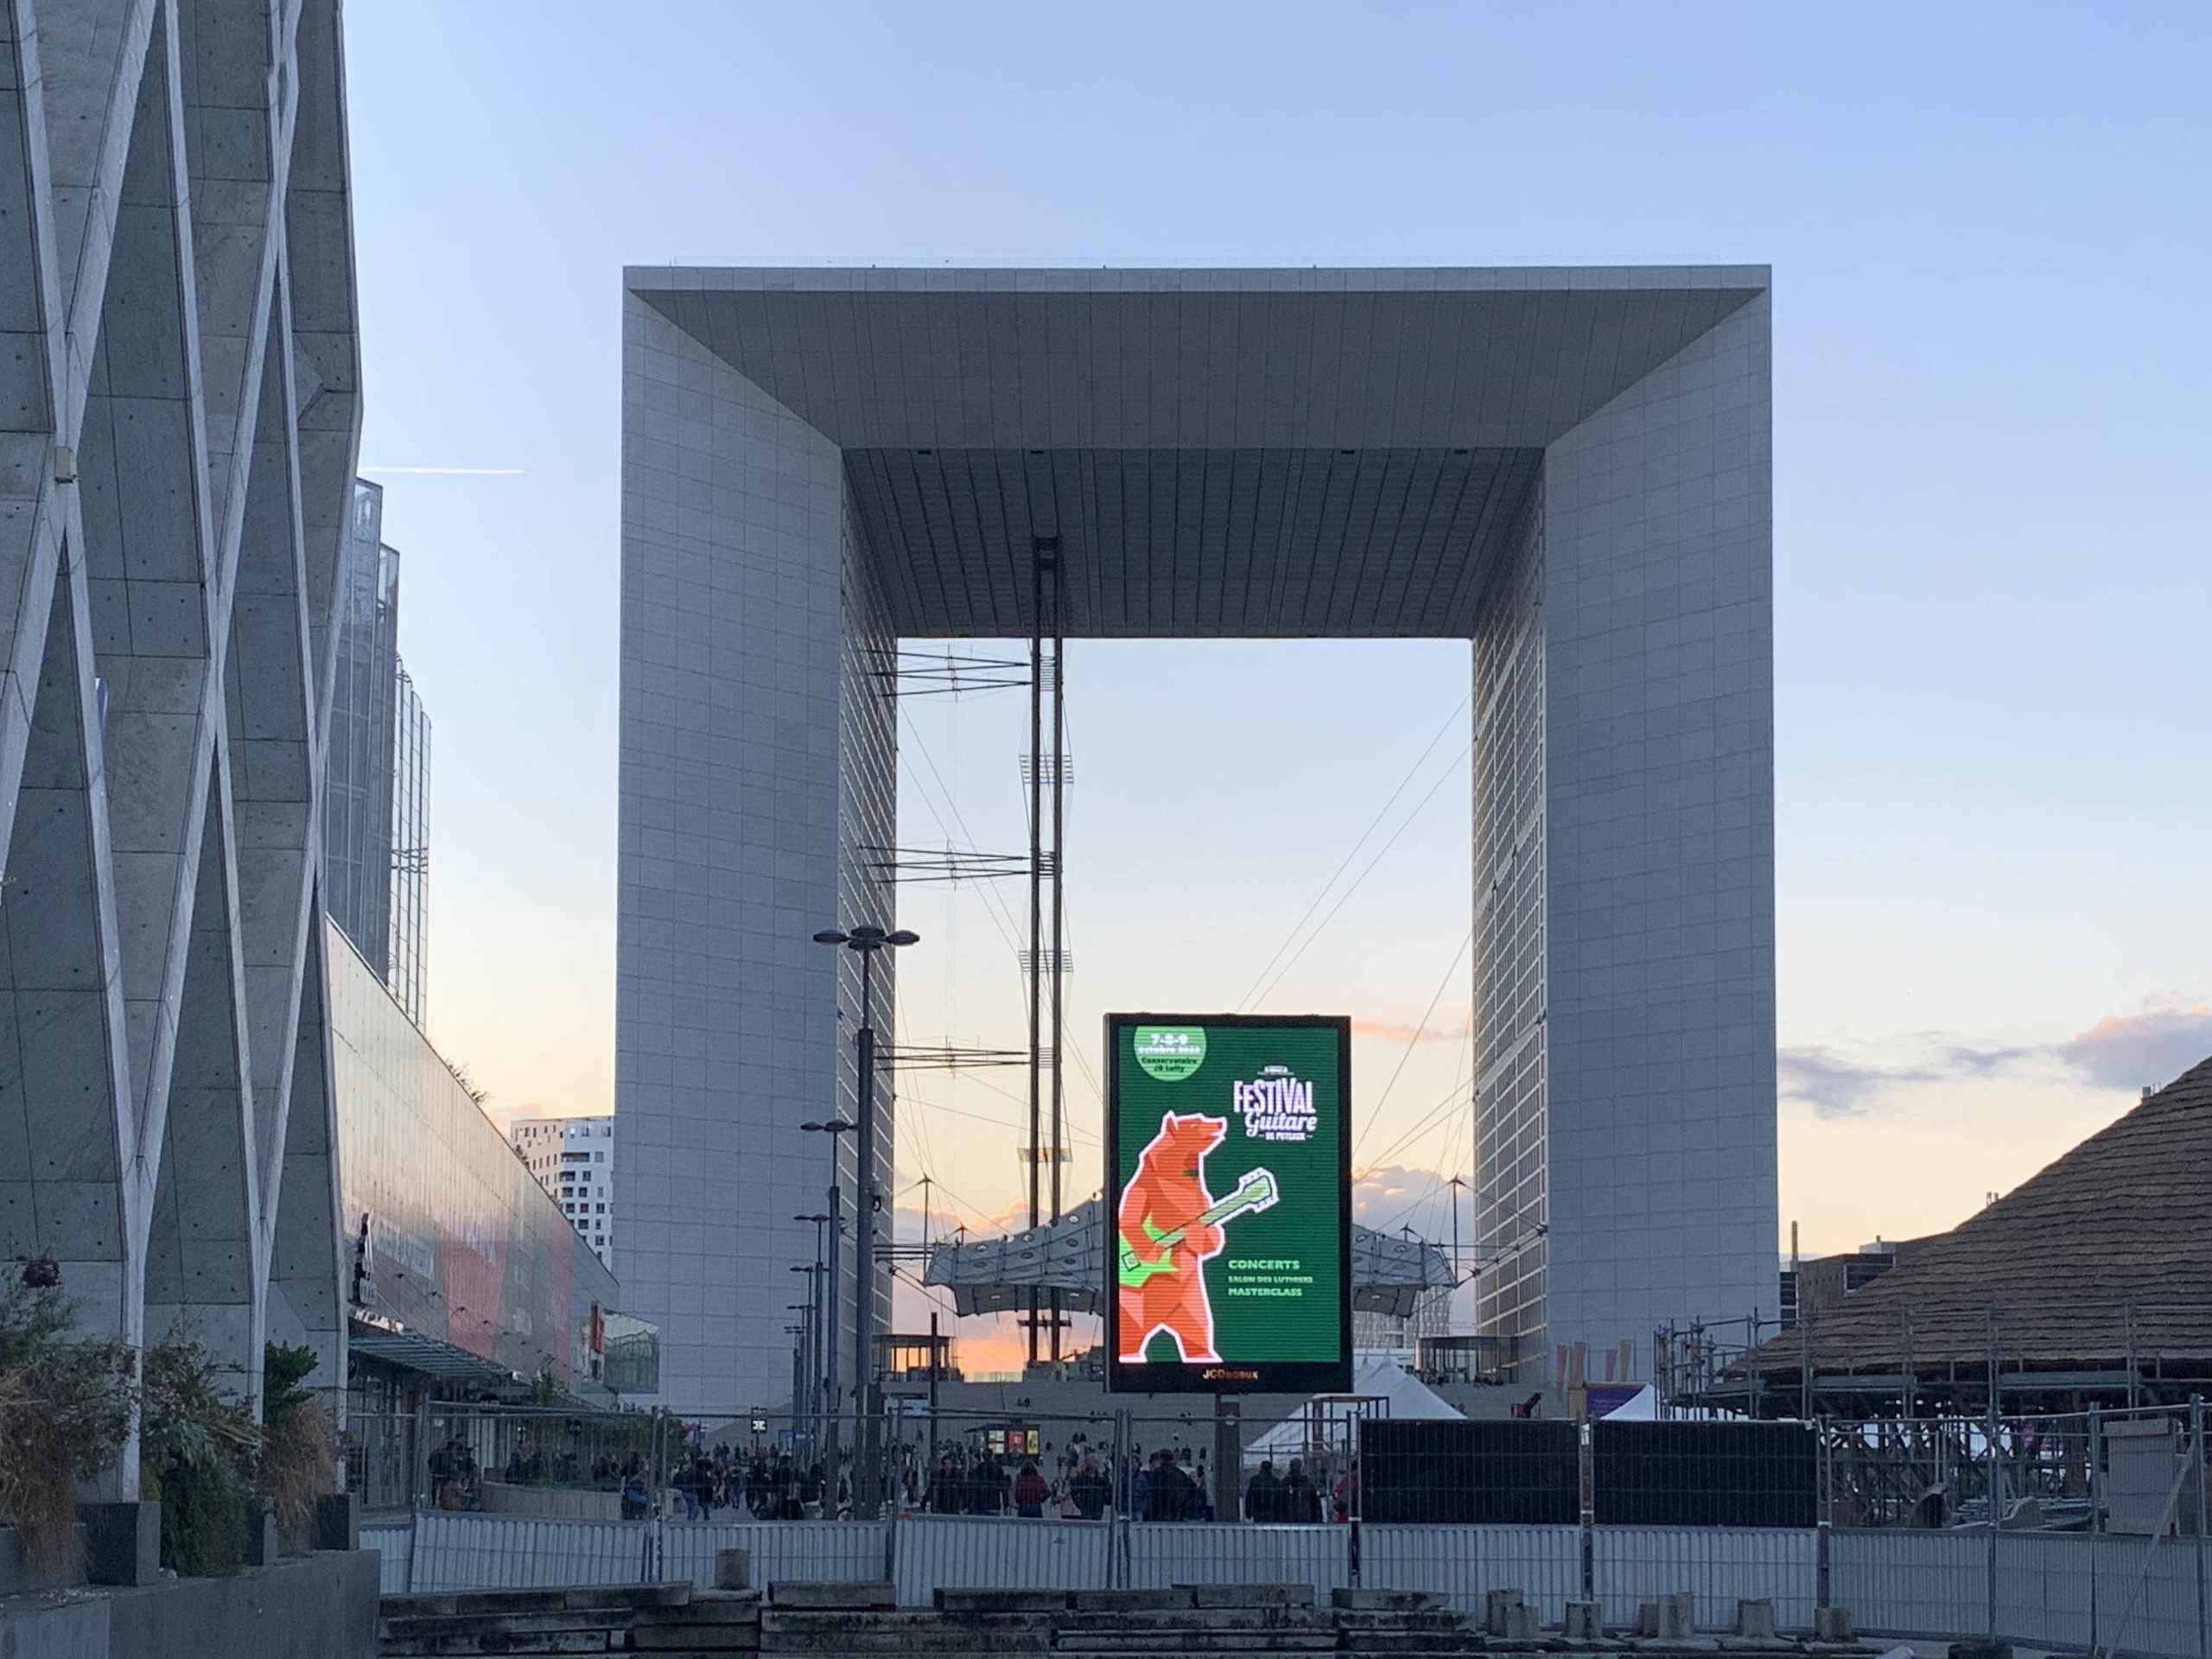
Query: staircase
1253	1621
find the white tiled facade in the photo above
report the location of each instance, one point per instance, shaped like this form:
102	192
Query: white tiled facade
573	1158
1569	468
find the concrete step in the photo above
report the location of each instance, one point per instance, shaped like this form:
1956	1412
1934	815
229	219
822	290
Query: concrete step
449	1647
581	1596
1322	1640
507	1626
695	1638
710	1607
902	1631
1133	1601
838	1595
963	1601
1200	1619
1387	1601
1250	1595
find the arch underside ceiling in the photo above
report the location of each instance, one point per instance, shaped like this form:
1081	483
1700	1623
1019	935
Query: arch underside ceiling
1314	454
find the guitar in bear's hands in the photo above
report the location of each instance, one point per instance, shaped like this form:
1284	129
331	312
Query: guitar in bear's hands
1255	1192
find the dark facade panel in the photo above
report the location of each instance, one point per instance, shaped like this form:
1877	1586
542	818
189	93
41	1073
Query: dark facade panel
1510	1474
1704	1474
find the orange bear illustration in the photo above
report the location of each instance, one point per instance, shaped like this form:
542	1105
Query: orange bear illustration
1164	1242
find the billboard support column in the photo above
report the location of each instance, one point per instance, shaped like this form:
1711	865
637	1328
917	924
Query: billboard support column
1227	1456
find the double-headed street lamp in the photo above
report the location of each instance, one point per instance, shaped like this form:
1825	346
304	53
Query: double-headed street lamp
822	1371
867	939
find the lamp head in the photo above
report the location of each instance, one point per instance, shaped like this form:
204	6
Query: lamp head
831	936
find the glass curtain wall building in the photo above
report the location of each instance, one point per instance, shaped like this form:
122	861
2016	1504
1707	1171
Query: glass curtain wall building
409	938
358	767
460	1255
376	768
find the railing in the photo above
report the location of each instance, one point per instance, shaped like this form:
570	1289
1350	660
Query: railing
2099	1543
1161	1555
1543	1563
2105	1593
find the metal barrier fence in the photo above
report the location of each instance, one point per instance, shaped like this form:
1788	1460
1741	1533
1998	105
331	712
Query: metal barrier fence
395	1547
2105	1593
470	1457
2117	1471
1543	1563
1717	1564
1162	1555
998	1553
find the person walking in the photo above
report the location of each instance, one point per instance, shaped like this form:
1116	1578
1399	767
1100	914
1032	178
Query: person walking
1170	1492
1030	1491
1264	1495
1299	1502
1089	1489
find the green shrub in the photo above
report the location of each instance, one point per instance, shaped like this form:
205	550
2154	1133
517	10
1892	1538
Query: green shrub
299	1457
65	1414
198	1450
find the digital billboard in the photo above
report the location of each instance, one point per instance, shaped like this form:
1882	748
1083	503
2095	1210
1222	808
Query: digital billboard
1229	1181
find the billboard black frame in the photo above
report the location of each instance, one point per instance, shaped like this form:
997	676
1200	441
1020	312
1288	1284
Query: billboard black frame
1264	1377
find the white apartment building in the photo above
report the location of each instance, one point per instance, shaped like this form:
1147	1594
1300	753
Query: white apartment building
574	1160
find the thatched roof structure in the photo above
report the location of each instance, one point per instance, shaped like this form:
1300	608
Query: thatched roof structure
2102	1261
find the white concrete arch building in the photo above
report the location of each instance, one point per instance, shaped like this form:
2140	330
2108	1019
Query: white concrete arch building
1570	469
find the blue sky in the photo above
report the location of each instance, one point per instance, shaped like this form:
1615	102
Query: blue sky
1990	234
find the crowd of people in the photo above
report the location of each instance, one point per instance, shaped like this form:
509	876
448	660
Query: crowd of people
972	1476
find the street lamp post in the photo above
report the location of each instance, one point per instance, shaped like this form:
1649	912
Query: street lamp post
867	939
816	1364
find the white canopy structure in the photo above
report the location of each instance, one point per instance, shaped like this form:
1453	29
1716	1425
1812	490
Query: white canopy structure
1380	1387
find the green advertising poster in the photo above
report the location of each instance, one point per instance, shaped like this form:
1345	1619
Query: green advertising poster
1230	1195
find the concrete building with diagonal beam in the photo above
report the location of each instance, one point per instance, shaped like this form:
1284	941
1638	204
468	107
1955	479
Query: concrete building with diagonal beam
176	473
1568	468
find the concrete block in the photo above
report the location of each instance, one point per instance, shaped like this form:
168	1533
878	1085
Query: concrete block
1981	1651
1133	1601
1386	1601
730	1607
324	1605
262	1547
834	1595
1250	1595
1506	1614
691	1638
1670	1617
1499	1607
672	1594
1755	1618
1832	1625
734	1569
52	1627
1584	1622
507	1602
954	1600
123	1542
337	1520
